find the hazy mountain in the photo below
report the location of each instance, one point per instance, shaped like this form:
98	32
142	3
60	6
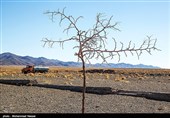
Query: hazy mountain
12	59
124	65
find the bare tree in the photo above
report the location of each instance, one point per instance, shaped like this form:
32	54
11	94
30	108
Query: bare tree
92	43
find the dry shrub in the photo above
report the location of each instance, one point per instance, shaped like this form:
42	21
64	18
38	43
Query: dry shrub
162	108
68	83
51	75
47	81
69	76
87	76
126	81
141	78
65	76
120	78
12	75
107	76
81	76
31	74
4	74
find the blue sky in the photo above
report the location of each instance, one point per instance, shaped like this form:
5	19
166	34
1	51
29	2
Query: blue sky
23	25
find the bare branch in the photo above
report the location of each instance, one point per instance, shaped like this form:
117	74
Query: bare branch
72	21
50	43
92	43
147	46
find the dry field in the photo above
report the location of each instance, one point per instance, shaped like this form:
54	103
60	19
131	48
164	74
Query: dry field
70	72
108	91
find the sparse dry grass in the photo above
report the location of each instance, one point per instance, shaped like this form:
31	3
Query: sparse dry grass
70	73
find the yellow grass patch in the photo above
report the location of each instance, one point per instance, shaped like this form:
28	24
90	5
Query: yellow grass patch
47	81
120	78
107	76
68	83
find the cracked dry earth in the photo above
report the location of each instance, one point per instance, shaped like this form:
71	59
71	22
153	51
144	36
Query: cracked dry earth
63	94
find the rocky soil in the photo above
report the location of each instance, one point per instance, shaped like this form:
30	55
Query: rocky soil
106	93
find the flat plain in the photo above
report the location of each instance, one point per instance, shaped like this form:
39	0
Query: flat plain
108	90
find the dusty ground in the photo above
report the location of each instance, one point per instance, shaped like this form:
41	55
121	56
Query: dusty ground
123	91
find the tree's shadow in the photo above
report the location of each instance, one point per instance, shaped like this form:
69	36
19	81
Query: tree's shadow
148	95
94	90
109	90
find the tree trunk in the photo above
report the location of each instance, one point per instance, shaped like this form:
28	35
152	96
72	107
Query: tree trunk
84	86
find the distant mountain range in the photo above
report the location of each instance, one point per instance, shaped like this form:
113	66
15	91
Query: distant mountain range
12	59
